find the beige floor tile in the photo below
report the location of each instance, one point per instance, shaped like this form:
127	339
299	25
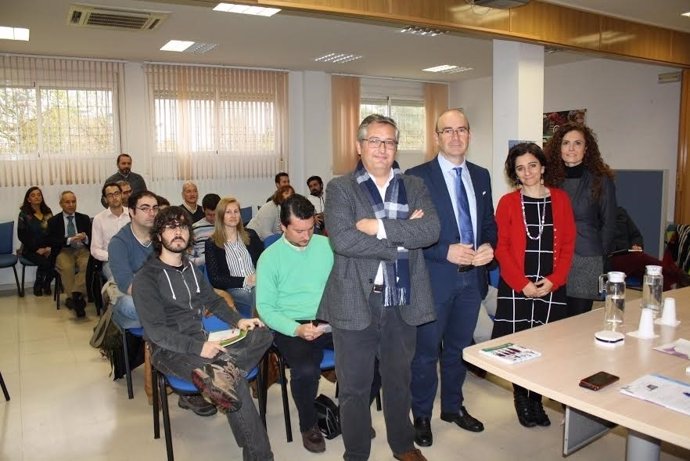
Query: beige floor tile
65	407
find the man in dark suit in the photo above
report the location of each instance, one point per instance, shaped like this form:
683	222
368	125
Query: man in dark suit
378	290
70	235
461	192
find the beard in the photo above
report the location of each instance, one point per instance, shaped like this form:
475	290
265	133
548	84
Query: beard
176	245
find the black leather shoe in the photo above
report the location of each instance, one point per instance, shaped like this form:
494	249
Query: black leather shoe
463	419
523	409
422	432
79	304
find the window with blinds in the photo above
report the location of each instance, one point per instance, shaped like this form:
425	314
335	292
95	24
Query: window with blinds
57	120
215	122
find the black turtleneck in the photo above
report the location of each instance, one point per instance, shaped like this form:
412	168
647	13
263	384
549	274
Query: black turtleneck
575	171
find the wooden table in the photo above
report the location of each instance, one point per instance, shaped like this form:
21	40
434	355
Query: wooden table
569	353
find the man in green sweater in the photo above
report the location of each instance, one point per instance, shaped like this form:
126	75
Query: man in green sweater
291	276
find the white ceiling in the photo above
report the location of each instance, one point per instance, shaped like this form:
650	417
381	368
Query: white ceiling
286	41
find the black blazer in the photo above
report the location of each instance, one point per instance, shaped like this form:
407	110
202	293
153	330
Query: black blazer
217	266
56	230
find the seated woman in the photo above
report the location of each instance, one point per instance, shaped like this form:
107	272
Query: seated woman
628	255
32	229
231	256
267	219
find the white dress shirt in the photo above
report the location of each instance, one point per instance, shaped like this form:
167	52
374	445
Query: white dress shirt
105	225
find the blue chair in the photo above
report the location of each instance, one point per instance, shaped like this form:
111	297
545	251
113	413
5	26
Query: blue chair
138	332
25	263
327	363
246	214
271	239
494	277
184	387
7	257
4	388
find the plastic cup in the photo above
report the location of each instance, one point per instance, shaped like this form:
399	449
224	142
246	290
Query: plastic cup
668	316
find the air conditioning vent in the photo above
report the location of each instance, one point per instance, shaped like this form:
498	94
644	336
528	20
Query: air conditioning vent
114	18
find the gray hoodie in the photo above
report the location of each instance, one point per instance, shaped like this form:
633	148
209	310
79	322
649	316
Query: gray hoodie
170	302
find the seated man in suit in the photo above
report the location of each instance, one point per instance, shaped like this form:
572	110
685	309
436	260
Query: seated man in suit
69	233
291	276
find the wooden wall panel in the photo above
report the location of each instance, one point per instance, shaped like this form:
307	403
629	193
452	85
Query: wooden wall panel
682	213
680	47
541	22
557	25
635	40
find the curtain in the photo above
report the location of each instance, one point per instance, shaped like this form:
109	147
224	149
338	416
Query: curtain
345	103
216	122
59	120
435	103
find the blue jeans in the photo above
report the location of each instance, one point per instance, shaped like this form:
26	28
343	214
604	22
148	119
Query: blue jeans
245	423
124	313
245	300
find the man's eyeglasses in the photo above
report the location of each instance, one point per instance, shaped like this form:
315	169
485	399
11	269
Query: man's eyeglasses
148	209
391	144
175	225
463	130
113	194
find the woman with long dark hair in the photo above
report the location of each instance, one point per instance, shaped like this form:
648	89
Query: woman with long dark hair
577	166
536	239
32	229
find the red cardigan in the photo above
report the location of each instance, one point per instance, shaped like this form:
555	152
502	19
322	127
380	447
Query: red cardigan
512	239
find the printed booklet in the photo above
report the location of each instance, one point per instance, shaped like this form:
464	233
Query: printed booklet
227	337
510	353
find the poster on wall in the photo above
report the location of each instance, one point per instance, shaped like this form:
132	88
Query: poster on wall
552	120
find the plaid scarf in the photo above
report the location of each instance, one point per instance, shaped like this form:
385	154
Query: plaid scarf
396	275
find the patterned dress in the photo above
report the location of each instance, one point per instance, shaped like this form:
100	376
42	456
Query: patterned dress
514	312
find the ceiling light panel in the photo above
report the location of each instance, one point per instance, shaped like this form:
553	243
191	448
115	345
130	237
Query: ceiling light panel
177	45
14	33
687	14
338	58
246	9
422	31
448	69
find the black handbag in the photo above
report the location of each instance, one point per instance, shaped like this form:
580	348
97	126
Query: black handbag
328	416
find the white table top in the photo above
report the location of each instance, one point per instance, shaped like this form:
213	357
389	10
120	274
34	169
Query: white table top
569	353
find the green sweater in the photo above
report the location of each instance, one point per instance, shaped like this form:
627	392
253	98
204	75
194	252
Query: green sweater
290	282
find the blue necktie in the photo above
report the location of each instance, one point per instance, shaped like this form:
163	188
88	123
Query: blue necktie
71	230
466	230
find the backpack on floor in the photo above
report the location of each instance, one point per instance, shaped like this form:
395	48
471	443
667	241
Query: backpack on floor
328	416
107	337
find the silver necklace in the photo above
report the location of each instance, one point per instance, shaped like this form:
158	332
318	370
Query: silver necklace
541	214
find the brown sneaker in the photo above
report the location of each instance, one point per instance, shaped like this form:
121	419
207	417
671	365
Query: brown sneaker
313	441
217	385
412	455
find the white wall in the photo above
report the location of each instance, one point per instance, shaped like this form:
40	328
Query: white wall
309	152
634	117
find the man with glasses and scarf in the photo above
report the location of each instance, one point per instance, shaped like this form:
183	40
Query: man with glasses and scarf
378	290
